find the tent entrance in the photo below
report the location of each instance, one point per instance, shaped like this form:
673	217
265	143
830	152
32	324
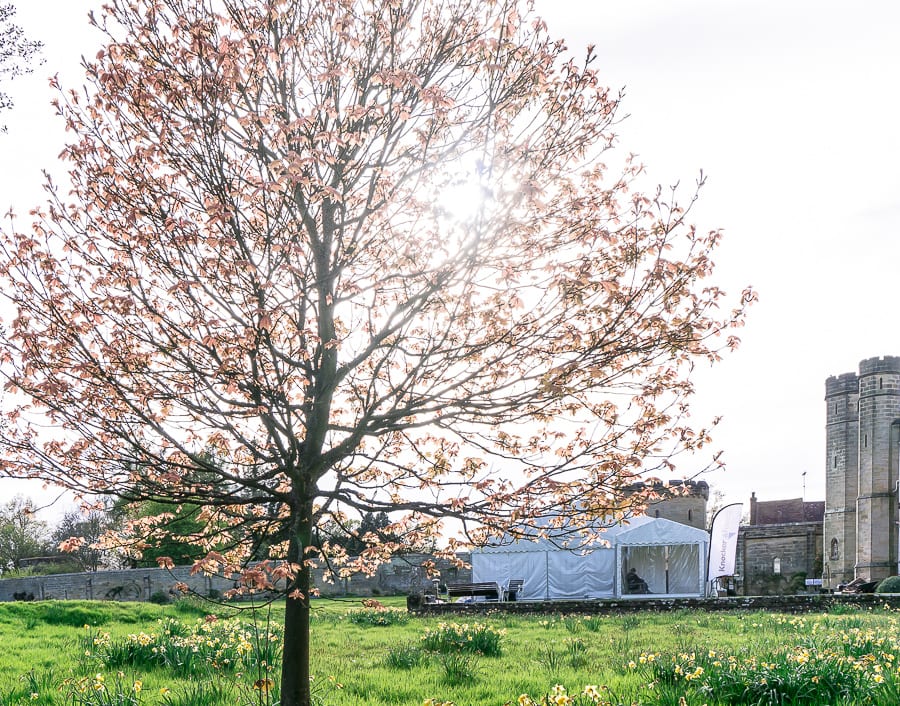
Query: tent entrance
665	570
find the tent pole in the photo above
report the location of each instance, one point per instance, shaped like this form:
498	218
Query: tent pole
546	576
666	559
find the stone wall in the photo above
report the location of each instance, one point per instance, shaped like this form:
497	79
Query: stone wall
797	547
841	478
862	468
780	604
681	501
125	585
402	575
876	504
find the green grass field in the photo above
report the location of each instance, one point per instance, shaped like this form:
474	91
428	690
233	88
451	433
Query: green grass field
175	655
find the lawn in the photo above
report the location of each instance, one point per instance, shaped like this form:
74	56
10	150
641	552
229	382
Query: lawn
104	653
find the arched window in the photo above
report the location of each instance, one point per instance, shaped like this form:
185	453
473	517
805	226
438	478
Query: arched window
835	552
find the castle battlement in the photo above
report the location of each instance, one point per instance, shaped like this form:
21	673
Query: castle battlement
873	366
862	470
846	384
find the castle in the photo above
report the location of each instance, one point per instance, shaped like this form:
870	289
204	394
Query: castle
862	448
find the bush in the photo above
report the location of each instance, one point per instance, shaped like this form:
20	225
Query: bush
190	605
404	657
475	638
378	617
73	615
459	668
890	585
189	649
159	597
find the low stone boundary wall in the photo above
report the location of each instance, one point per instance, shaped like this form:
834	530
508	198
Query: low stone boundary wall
124	585
402	575
775	604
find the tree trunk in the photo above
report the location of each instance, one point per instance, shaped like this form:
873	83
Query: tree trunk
295	685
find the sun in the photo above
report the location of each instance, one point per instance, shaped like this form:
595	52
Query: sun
464	192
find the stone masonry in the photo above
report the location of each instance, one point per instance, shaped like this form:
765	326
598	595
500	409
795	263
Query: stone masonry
862	445
402	574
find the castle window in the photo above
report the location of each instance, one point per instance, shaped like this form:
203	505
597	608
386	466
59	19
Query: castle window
835	461
657	513
865	441
880	383
776	565
835	550
690	515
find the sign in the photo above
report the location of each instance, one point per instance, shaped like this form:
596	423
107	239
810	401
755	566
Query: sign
723	541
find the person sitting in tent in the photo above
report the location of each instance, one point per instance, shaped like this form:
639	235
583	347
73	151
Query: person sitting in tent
635	583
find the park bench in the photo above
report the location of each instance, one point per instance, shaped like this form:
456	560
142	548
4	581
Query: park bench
489	590
513	589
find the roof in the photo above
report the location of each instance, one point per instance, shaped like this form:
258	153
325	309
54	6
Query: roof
661	532
643	530
779	512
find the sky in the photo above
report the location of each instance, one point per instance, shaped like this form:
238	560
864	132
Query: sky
789	107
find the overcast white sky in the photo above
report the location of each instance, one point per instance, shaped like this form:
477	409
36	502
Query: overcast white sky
789	106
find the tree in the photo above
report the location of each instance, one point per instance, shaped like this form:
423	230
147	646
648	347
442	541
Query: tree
168	533
264	253
350	534
22	535
80	534
16	52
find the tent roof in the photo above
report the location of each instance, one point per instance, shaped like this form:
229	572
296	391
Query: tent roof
660	531
639	530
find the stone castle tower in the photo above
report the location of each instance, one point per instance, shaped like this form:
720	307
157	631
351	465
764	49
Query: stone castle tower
862	446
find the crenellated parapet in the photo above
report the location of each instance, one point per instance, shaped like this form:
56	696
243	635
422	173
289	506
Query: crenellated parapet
845	384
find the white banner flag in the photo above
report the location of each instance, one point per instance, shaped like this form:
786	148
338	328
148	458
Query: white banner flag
723	541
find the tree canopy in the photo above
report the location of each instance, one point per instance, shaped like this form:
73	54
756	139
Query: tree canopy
80	533
370	255
22	534
16	52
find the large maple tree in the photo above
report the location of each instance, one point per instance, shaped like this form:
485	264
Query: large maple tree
321	259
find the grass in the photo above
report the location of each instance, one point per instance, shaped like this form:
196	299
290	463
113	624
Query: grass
369	657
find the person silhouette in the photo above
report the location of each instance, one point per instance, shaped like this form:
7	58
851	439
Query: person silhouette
635	583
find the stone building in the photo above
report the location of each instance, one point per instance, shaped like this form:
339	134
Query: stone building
681	501
862	445
780	547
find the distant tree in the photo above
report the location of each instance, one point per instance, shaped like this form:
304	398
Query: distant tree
16	52
338	533
22	535
166	531
353	537
373	253
80	533
715	503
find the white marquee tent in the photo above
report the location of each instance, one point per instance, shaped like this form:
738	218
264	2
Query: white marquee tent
669	556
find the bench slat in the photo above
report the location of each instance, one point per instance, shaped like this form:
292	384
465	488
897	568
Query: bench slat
487	589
